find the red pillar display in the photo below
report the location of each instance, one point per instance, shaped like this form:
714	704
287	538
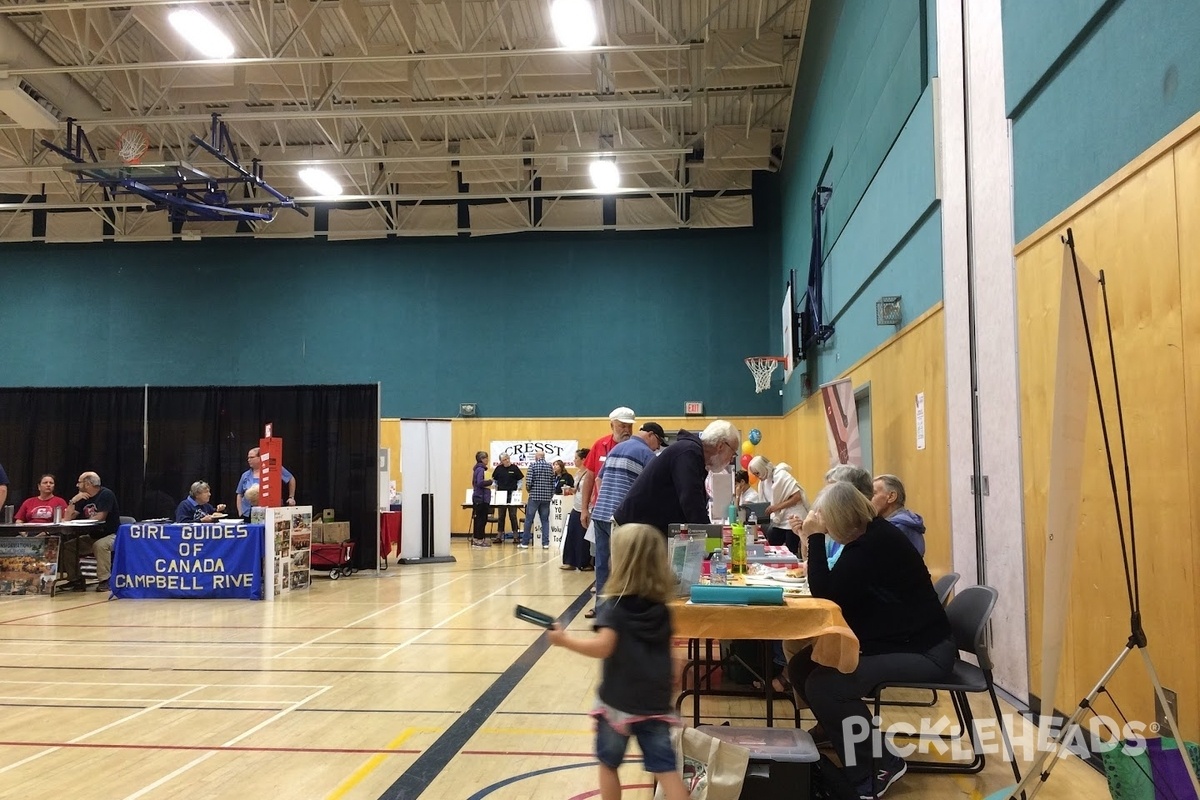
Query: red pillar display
270	484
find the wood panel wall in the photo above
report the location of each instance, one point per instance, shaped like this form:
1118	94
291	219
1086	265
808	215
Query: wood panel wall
1142	227
911	362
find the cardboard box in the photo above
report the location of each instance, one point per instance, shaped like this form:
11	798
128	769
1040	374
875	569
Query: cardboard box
334	532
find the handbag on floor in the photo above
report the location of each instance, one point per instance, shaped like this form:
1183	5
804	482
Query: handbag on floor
711	769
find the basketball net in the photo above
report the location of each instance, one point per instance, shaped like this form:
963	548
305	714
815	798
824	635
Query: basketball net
762	368
132	144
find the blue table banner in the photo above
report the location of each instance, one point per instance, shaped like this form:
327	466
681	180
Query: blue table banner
192	560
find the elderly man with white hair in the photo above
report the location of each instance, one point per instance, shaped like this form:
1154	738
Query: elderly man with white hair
785	497
96	502
671	487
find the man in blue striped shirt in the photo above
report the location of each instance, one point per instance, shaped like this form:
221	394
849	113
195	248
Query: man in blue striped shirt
539	482
622	467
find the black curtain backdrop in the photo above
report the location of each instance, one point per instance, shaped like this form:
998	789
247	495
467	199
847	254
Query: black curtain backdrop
330	443
70	431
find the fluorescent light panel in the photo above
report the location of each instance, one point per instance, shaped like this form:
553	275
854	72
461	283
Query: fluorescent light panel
320	182
201	33
574	23
605	175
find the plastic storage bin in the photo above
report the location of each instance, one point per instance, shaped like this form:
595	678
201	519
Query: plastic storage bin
781	760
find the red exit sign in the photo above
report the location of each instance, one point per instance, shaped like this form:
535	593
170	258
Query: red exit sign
693	408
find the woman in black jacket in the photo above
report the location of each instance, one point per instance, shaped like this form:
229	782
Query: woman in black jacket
562	478
887	598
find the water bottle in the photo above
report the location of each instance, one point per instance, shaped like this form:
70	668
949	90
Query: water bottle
737	551
717	571
731	513
752	528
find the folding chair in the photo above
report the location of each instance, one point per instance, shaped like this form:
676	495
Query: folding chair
969	613
942	586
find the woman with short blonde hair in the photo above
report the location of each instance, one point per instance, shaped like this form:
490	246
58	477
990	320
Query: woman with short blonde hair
887	598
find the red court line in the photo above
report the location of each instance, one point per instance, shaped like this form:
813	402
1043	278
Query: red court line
72	608
240	627
211	748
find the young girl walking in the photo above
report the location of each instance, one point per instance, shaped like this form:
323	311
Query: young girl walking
633	637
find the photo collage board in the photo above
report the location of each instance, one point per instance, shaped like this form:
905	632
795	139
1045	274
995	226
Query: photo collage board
289	542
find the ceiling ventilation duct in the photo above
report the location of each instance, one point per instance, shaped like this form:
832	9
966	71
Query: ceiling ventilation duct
25	106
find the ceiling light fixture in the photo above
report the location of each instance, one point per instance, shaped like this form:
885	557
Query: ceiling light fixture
201	33
320	182
574	23
605	175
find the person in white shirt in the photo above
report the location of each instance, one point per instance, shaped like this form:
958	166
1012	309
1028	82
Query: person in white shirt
785	497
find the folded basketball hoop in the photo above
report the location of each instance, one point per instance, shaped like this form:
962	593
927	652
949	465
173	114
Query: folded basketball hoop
762	367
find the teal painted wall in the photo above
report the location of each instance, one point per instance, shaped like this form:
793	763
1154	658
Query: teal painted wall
497	321
863	107
1089	85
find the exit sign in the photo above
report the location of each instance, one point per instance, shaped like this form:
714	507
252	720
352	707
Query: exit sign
693	408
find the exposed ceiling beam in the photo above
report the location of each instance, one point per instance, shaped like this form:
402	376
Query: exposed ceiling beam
420	109
382	58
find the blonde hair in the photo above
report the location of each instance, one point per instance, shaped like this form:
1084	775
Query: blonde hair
639	564
251	494
844	510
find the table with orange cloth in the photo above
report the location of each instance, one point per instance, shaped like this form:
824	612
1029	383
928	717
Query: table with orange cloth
808	618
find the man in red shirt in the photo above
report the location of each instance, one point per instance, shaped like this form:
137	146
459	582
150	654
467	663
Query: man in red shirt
621	422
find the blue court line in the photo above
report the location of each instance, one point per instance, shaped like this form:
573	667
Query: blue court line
429	765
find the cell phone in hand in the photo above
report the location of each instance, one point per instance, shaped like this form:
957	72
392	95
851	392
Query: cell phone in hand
534	617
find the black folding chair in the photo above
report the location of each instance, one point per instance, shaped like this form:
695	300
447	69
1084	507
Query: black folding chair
969	613
943	586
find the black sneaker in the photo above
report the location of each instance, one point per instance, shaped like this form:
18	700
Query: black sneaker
102	586
884	778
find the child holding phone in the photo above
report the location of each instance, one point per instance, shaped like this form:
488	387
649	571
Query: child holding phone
633	628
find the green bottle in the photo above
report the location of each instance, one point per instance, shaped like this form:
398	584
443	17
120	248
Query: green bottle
737	550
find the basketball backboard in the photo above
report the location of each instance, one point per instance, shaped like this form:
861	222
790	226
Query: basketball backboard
789	328
157	173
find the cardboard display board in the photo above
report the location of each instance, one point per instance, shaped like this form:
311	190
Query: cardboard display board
288	543
28	564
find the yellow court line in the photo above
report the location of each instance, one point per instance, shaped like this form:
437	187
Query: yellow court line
373	763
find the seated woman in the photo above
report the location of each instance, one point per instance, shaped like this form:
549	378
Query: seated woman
40	509
887	599
195	507
743	493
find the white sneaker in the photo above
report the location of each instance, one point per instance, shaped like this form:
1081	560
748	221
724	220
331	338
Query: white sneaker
523	546
545	547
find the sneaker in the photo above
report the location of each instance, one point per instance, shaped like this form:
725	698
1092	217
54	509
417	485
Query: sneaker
523	546
479	543
884	778
498	540
102	586
545	547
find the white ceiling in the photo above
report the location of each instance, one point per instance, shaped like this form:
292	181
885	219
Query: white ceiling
415	106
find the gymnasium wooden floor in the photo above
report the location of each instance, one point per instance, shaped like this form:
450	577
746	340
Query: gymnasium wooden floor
419	683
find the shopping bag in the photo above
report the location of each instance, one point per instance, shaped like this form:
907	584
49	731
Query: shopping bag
711	769
590	534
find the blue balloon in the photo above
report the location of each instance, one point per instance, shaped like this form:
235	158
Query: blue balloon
755	436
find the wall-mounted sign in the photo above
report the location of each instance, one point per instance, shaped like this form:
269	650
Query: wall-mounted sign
693	408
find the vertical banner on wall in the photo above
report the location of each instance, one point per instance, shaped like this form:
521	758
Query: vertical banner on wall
270	484
1068	430
841	423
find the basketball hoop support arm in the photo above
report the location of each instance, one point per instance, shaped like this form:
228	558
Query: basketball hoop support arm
76	141
221	140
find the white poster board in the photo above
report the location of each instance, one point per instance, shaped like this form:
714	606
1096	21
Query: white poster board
425	464
559	510
521	451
